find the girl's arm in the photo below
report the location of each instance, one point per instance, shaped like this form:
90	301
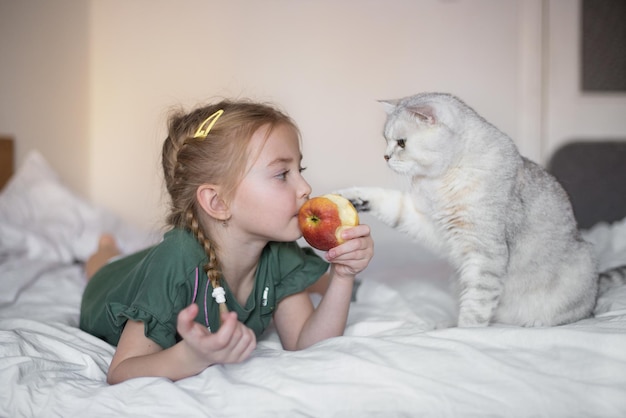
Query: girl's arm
138	356
298	324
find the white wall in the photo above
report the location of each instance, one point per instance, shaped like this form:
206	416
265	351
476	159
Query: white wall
102	75
44	85
571	114
326	62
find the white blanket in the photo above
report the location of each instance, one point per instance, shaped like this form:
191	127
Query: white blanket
399	355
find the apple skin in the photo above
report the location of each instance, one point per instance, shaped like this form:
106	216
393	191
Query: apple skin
321	220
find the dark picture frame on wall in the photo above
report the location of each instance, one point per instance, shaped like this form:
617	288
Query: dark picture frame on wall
603	45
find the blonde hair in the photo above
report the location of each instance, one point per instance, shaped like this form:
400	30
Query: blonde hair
220	159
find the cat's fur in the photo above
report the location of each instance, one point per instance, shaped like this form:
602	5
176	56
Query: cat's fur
501	220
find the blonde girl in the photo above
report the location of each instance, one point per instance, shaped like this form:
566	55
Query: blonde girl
229	263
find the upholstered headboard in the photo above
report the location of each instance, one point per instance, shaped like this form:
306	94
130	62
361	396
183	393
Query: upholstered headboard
594	175
6	160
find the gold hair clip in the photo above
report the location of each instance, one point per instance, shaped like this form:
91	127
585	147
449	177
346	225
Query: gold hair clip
203	131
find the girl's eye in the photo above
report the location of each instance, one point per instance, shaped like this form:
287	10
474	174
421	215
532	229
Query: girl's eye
283	175
401	143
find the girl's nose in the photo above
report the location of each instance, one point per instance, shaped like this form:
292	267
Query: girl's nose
305	189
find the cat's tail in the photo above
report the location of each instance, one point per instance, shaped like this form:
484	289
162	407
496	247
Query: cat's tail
615	276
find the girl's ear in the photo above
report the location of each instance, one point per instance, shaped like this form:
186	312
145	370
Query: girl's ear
211	202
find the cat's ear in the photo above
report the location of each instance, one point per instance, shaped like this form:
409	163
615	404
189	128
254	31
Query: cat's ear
423	113
389	105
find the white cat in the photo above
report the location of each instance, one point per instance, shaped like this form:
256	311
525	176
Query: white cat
501	220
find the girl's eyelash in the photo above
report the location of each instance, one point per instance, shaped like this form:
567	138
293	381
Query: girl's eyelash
283	174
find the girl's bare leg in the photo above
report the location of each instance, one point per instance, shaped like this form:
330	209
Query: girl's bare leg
107	249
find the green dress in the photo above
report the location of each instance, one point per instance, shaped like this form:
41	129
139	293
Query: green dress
155	284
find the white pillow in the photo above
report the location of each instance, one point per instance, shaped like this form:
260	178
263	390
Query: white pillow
609	242
40	218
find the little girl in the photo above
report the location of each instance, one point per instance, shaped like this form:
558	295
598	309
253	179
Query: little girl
230	263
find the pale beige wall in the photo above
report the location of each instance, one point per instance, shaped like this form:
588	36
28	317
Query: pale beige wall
101	76
44	84
570	113
325	61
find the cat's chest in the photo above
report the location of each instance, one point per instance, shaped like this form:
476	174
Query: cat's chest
437	194
449	202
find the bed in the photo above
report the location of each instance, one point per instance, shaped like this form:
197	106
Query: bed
400	356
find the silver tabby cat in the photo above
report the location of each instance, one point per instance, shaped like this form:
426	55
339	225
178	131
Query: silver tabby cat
505	224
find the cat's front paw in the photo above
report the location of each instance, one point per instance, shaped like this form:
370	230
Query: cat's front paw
360	205
472	321
354	196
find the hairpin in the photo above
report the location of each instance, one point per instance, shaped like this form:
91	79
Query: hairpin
203	131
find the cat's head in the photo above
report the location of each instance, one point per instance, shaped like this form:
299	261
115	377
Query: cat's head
421	134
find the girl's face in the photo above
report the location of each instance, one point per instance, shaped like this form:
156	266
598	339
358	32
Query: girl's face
267	201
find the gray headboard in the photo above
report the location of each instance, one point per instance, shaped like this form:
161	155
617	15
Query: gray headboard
594	175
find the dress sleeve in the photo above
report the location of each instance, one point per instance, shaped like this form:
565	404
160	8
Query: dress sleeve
158	297
298	268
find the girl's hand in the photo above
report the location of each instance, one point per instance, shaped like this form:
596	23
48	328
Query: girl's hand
353	256
232	343
299	325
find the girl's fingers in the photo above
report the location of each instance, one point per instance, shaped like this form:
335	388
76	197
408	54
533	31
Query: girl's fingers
244	345
185	320
357	231
360	245
237	340
228	326
233	340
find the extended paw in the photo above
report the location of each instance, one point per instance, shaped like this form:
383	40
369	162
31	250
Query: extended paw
360	204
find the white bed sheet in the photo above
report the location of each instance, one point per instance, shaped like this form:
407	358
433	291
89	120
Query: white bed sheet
399	355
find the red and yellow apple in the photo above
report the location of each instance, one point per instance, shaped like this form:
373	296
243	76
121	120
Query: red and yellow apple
321	220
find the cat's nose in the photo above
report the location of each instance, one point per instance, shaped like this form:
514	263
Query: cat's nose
387	157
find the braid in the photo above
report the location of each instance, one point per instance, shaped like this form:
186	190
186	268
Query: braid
173	171
211	268
180	169
219	157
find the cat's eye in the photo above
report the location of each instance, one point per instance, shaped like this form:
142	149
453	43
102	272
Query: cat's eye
401	143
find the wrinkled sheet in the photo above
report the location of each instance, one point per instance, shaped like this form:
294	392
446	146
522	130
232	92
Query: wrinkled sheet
401	354
396	359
